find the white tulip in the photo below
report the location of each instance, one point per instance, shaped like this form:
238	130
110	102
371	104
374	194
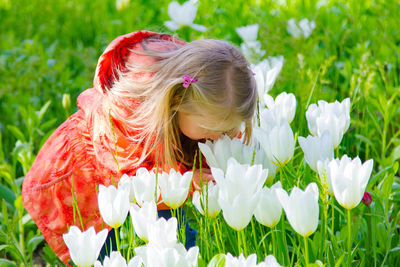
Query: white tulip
307	27
317	148
174	187
270	261
301	208
207	200
84	247
113	205
266	73
239	191
218	152
248	33
303	28
241	261
183	15
349	180
127	181
284	106
334	117
136	261
277	142
168	256
163	233
115	259
121	4
145	186
142	218
269	210
252	50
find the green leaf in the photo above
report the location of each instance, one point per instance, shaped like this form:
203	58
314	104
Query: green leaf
7	194
7	263
17	133
217	261
387	185
34	242
339	261
43	110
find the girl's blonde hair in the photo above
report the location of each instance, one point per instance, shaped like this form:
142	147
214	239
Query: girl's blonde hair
225	92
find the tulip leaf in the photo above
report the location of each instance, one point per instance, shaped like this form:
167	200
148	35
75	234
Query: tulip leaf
17	133
34	242
217	261
387	185
7	263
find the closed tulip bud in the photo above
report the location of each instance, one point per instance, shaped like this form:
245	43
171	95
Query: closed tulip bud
175	187
277	142
301	208
207	201
113	205
269	210
367	199
332	117
283	107
317	148
145	186
66	101
127	181
142	218
84	247
349	180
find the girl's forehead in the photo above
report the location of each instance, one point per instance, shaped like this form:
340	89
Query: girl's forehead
216	124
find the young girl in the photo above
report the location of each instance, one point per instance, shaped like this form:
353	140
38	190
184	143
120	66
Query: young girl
154	98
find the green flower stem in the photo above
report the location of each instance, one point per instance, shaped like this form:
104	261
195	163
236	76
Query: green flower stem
285	249
254	237
244	242
116	237
333	216
273	242
369	236
220	235
216	233
349	238
306	250
238	243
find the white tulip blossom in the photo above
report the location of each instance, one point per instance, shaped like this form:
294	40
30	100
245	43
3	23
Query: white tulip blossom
250	47
142	218
207	200
84	247
333	117
113	204
283	107
303	28
115	259
241	261
278	142
349	179
183	15
269	210
301	208
145	186
121	4
175	187
163	248
317	148
218	152
266	73
127	181
168	256
239	191
270	261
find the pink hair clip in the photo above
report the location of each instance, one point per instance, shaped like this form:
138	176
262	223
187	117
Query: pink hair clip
188	80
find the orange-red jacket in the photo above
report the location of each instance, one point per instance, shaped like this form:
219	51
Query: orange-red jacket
70	162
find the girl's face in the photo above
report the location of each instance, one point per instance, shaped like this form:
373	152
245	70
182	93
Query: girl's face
195	127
